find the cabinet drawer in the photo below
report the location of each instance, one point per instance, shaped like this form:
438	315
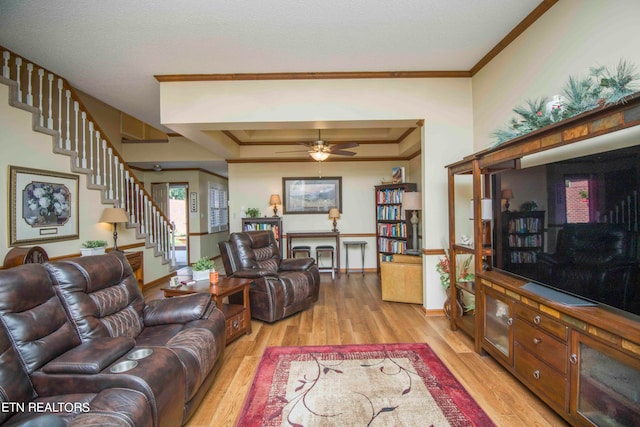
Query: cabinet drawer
541	378
235	325
542	345
550	325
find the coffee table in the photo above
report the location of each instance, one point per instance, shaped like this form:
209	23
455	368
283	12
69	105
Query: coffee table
237	316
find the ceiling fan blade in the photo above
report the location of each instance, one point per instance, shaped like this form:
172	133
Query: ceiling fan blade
342	153
339	146
292	151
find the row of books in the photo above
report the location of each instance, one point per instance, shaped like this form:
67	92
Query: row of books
260	226
393	230
522	241
390	212
525	225
390	195
392	246
521	257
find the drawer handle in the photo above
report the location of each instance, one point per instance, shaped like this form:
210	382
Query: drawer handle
510	321
536	320
536	374
573	359
537	340
235	324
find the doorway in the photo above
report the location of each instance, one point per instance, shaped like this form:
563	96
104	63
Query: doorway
171	198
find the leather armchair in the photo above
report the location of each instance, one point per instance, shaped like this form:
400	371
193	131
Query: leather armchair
594	259
281	287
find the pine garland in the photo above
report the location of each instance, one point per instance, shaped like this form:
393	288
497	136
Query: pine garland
600	87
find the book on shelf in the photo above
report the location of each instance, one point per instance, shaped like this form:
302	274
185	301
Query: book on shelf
262	226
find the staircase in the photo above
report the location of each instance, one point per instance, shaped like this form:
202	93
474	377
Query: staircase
58	111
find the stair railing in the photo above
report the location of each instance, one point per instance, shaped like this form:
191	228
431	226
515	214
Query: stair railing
62	114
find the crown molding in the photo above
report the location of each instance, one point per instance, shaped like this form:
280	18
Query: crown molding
529	20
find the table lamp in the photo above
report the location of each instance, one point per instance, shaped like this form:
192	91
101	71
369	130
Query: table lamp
334	214
114	216
506	195
412	201
486	213
274	200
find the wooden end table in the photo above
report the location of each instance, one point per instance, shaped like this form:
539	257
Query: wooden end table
237	316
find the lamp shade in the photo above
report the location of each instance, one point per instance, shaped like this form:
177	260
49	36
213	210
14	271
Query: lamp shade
114	215
507	193
412	201
275	199
486	209
334	213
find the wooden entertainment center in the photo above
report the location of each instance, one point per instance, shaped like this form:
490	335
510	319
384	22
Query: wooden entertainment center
584	362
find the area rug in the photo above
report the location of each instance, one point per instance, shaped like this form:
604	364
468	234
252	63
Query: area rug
357	385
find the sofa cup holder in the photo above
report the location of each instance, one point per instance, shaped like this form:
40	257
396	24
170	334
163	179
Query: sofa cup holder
123	366
140	353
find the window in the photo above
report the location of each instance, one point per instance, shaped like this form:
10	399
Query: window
218	208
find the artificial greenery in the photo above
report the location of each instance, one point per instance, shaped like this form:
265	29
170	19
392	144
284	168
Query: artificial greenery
204	264
600	87
91	244
529	206
252	212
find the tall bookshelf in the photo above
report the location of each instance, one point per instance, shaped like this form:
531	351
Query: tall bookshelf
266	223
523	239
393	231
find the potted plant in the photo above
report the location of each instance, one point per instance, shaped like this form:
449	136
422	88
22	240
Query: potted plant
93	247
202	267
252	212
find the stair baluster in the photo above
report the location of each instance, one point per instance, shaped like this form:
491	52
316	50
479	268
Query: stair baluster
95	157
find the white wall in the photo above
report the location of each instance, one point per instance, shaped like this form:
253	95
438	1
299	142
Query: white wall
571	37
444	104
250	187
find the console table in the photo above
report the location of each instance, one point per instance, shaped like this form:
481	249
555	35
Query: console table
335	235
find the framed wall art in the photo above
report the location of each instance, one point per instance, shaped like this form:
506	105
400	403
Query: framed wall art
43	206
311	195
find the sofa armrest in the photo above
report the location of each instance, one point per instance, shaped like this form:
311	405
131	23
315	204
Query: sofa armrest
296	264
254	273
181	309
90	357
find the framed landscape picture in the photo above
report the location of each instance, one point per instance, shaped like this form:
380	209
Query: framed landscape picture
43	206
311	195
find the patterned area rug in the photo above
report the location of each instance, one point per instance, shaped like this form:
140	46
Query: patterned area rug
357	385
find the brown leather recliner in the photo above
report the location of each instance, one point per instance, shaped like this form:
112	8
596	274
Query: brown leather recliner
101	297
281	287
42	380
65	325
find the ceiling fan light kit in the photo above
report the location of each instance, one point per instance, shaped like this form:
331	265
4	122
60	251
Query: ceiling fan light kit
319	155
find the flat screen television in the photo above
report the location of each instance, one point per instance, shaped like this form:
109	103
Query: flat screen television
570	227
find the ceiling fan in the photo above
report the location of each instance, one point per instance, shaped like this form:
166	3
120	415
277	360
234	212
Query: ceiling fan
320	150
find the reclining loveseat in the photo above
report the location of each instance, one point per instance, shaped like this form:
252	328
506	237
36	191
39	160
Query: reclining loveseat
79	346
281	287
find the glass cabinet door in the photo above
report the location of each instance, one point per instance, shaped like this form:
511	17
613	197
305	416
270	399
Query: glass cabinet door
607	390
497	324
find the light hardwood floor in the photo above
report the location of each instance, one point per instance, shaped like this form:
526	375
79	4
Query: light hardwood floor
351	311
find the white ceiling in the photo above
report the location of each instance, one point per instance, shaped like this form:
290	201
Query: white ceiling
112	49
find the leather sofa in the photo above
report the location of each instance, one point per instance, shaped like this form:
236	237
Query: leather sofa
596	260
68	330
281	287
